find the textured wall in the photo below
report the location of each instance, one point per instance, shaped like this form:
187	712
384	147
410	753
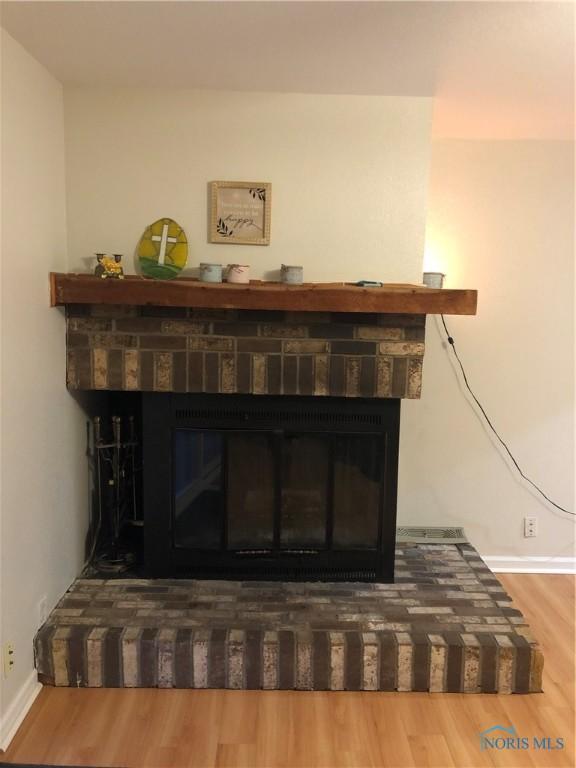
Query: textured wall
349	176
501	220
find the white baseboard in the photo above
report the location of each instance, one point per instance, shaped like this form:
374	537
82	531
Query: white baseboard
530	564
18	709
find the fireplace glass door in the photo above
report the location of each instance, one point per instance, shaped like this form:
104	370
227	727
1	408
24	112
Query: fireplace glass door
256	492
270	488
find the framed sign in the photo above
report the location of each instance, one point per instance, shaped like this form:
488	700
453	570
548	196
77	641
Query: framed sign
240	212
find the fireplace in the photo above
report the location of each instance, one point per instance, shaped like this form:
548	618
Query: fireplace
246	487
270	415
270	421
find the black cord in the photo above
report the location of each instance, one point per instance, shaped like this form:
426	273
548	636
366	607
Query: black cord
479	404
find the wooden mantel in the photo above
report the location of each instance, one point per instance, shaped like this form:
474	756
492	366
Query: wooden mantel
309	297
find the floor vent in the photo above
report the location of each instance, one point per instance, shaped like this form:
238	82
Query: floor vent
430	535
255	572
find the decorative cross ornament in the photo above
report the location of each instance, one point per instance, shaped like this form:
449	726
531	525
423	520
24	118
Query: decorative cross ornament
163	239
163	249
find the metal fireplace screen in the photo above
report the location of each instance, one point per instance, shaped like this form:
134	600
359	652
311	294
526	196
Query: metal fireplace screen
270	488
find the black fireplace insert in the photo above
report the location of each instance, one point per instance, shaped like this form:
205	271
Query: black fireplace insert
258	487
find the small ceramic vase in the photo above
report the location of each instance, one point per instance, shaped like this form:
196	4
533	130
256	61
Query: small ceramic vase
210	273
434	279
292	275
238	273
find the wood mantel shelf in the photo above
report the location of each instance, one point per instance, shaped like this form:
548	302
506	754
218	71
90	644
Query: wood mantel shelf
309	297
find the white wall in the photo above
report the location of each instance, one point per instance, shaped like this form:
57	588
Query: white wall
501	219
349	178
349	175
43	491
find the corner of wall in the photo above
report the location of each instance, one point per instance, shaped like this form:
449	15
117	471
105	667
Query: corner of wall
42	539
19	707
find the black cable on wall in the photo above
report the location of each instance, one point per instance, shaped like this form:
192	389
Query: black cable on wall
485	415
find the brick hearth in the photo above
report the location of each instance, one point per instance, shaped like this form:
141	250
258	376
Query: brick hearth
446	624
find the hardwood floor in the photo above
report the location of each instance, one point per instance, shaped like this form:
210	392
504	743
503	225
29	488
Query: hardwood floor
289	729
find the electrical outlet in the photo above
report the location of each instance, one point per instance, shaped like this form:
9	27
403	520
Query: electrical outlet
42	609
530	527
7	658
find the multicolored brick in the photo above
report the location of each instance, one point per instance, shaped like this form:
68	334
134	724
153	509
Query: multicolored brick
228	351
425	632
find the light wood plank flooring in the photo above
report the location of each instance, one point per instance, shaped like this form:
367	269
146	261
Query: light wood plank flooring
289	729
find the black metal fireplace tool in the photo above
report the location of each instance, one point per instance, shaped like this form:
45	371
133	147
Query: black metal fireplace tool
113	460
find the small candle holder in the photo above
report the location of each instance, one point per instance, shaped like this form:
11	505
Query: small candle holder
434	279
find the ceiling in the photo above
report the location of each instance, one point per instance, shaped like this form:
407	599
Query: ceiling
495	69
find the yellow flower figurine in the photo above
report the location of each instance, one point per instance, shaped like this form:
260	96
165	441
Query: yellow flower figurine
109	266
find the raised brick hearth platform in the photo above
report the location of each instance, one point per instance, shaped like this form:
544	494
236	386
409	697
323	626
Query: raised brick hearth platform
446	624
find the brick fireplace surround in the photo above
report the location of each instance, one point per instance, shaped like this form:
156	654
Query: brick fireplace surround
175	349
446	624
